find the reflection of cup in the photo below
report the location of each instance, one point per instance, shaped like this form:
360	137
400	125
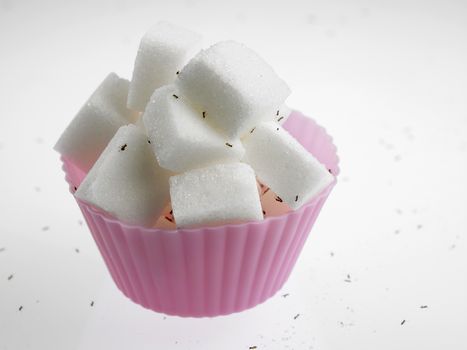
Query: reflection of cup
213	270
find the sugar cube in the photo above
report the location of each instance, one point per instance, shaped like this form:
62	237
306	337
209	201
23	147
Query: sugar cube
280	115
96	123
162	53
126	180
233	85
181	138
219	194
284	165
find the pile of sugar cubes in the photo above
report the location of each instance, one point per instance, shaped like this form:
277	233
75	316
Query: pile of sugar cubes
195	139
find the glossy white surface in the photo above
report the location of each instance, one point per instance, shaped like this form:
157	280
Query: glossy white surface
388	79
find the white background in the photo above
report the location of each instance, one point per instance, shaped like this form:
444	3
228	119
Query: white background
388	79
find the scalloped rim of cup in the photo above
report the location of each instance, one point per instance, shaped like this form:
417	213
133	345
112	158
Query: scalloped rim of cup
154	230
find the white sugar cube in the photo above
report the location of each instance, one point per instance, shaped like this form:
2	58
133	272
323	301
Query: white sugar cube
96	123
181	138
280	115
284	165
235	87
219	194
163	52
126	180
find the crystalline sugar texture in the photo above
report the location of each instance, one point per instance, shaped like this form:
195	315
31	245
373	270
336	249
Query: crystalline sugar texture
280	115
219	194
280	162
163	51
181	138
235	87
126	180
96	123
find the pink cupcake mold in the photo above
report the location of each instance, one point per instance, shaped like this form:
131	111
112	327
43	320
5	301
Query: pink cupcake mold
210	271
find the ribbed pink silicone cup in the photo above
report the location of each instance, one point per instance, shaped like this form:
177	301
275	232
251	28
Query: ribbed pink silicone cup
215	270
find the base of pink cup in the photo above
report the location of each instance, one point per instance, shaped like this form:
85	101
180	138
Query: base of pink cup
211	271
